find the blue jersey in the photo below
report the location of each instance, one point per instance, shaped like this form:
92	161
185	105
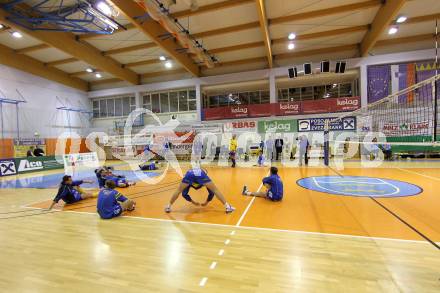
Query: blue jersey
116	179
276	187
196	178
108	206
146	167
68	193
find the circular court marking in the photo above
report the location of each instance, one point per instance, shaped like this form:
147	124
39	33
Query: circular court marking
359	186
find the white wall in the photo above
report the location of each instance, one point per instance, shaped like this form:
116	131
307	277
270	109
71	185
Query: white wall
39	114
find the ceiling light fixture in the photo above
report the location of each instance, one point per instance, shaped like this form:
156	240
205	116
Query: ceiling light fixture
89	70
1	26
168	64
401	19
104	8
291	46
292	36
393	30
17	35
162	58
98	75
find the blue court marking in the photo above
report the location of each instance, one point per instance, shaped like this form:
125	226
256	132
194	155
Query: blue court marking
53	180
359	186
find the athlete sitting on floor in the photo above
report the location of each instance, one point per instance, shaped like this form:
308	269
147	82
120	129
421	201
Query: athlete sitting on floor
105	173
111	203
150	166
197	178
273	184
70	191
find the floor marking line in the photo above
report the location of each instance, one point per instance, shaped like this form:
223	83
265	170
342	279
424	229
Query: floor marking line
417	173
406	223
249	206
253	228
213	265
203	281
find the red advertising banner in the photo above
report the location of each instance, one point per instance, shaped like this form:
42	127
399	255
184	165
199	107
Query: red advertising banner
215	113
331	105
260	110
239	111
285	109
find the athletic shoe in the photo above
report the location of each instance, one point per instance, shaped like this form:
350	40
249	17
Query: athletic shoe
167	209
229	209
244	190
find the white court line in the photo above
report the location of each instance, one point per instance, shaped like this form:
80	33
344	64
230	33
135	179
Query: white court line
252	228
213	265
417	173
203	282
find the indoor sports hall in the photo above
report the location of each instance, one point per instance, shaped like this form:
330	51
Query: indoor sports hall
219	146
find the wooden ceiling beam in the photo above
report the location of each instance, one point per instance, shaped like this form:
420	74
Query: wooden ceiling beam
143	62
422	18
261	10
236	47
61	62
211	8
404	40
162	73
32	49
153	30
129	49
225	30
30	65
319	51
325	12
68	43
384	17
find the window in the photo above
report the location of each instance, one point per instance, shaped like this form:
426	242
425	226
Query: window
118	107
103	108
155	103
95	109
307	93
283	95
192	100
110	107
254	97
294	94
146	101
125	107
345	90
265	97
174	102
183	101
164	103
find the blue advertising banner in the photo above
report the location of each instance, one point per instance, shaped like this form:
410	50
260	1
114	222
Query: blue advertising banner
317	124
7	167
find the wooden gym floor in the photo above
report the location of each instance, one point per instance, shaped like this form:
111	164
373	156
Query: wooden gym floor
309	242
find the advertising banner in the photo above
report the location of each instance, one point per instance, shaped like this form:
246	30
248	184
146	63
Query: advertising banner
284	109
277	126
331	105
406	128
239	111
240	126
22	145
7	167
32	164
260	110
317	124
